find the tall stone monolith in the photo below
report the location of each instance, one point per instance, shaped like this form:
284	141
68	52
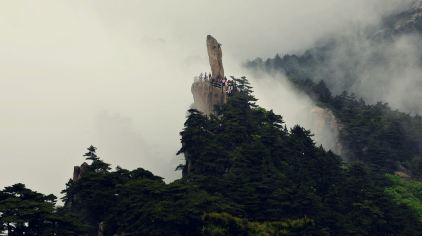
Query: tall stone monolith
215	55
206	94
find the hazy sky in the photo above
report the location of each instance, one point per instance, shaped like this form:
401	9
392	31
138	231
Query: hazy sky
117	74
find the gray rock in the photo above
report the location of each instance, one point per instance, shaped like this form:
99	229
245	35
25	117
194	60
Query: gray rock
79	171
206	95
216	57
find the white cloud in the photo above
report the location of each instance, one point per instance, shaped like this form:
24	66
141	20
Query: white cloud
65	66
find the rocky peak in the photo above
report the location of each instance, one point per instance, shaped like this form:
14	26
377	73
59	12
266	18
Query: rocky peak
79	171
215	56
209	91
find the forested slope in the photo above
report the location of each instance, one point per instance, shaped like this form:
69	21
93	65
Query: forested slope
244	173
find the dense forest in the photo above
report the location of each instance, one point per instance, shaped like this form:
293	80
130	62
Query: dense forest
380	137
361	62
244	173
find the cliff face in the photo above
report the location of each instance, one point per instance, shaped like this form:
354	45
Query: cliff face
206	94
79	171
326	129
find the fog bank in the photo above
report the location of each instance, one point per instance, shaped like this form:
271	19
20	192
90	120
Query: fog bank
117	75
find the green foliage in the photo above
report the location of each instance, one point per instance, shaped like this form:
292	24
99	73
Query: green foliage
414	165
382	138
270	174
244	173
378	136
224	224
407	192
26	212
97	164
147	208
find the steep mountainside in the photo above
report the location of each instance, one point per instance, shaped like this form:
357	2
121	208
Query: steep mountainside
375	66
377	63
244	174
408	21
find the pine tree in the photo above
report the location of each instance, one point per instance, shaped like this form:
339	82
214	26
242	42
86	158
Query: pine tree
26	212
97	164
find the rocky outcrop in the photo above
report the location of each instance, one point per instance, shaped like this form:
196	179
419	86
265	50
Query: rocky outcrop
403	172
206	94
101	229
326	129
79	171
215	55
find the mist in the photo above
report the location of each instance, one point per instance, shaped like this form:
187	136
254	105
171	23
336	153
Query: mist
117	75
381	70
275	92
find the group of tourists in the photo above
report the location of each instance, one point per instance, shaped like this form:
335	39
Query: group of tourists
205	76
226	85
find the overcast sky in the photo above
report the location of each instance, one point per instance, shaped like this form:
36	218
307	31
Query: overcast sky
117	74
